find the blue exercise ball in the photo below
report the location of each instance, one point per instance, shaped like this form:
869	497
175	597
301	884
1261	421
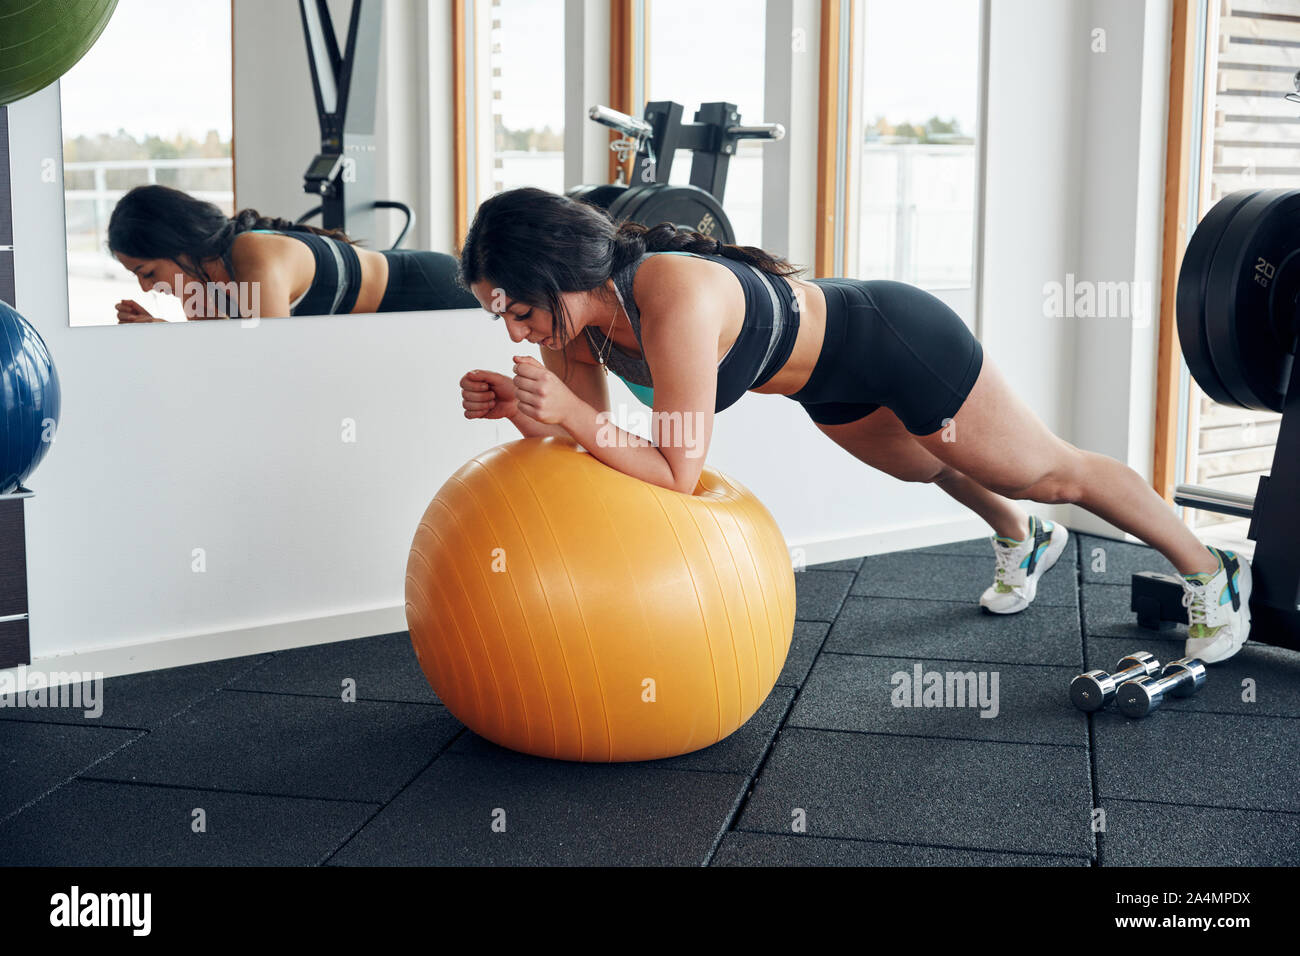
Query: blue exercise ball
29	399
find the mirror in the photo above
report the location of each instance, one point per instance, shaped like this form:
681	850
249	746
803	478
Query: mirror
237	159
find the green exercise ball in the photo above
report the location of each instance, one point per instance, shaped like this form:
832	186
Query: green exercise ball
40	40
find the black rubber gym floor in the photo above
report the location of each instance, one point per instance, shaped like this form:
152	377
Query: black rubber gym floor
278	770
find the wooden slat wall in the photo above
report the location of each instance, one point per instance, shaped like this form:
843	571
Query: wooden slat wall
13	558
6	214
6	195
15	645
1253	141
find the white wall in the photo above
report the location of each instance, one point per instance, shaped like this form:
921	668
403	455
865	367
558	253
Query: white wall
227	438
1075	187
1031	197
1121	145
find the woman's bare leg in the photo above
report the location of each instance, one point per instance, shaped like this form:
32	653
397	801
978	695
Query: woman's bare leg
881	441
996	440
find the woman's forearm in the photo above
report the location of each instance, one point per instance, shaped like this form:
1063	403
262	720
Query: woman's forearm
623	450
530	427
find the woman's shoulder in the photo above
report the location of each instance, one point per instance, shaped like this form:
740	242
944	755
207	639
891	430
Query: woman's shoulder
257	237
673	275
256	248
265	235
276	236
268	233
251	239
675	256
673	262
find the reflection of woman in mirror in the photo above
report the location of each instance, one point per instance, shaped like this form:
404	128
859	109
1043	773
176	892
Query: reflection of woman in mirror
259	266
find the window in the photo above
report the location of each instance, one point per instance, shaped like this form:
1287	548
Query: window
124	128
517	116
1251	141
914	102
693	65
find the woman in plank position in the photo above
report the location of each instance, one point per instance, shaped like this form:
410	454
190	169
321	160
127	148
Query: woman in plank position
173	242
884	369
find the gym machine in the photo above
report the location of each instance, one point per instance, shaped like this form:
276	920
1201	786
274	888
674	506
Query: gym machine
1238	309
654	140
343	173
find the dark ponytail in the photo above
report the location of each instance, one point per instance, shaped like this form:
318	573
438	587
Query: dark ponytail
536	245
247	219
159	222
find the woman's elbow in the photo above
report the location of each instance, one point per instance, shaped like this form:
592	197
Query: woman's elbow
686	482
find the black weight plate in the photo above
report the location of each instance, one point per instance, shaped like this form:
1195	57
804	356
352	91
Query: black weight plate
687	206
1193	285
1249	334
602	195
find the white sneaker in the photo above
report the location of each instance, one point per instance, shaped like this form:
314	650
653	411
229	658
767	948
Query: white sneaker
1021	564
1218	608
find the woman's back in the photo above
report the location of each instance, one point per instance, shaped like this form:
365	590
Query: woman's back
326	276
759	338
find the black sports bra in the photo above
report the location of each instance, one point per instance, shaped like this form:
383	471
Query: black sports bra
766	339
336	284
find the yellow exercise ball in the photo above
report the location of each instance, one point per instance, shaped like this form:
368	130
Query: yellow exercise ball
561	608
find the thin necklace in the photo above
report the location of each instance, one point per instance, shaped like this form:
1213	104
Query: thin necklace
609	341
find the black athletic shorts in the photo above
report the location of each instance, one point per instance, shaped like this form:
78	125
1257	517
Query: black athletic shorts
890	344
419	280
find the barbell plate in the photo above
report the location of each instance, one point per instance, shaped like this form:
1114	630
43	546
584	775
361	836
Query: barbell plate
1250	333
687	206
1193	285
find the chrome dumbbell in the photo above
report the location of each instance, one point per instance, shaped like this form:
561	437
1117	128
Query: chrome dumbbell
1093	690
1139	697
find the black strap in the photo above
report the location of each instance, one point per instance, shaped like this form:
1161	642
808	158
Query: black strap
1231	566
1039	533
